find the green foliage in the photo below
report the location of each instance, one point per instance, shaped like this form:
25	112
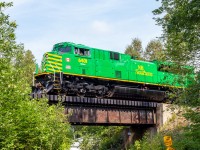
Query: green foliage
27	62
192	132
33	125
181	23
154	51
7	35
28	124
25	124
181	30
100	137
192	94
148	143
134	49
181	27
180	20
180	141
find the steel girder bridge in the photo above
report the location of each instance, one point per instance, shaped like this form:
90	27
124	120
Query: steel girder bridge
102	111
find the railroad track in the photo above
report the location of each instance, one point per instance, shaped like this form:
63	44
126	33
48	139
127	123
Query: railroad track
96	102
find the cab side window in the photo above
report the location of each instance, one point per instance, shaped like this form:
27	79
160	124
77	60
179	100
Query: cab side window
82	51
114	55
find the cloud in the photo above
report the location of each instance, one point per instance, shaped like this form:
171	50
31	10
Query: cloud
100	27
103	24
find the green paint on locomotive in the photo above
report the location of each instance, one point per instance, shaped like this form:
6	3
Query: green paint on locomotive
80	60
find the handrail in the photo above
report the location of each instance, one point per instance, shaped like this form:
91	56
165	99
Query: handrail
53	70
49	62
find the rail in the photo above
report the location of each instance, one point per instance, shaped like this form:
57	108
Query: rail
101	102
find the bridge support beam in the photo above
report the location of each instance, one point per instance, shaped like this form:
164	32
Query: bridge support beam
110	116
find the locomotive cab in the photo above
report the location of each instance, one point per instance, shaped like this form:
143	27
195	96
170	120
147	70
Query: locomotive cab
78	50
62	48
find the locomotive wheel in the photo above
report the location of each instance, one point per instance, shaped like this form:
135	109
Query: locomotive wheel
110	93
100	93
81	92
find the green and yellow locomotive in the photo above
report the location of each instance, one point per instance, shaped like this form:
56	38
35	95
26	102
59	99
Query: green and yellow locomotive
76	69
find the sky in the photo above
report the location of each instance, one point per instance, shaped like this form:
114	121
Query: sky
105	24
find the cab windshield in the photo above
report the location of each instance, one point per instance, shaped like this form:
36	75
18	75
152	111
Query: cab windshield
64	49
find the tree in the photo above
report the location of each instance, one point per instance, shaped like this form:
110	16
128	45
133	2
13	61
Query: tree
180	20
135	48
25	124
101	137
154	51
181	28
26	60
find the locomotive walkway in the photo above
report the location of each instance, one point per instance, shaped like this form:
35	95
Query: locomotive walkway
98	111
